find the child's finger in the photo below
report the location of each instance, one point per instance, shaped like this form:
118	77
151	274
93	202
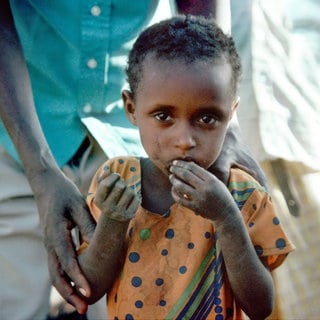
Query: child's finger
185	175
116	193
190	172
127	199
121	206
105	187
180	190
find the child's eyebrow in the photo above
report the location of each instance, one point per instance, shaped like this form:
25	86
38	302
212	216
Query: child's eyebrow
208	108
212	109
164	107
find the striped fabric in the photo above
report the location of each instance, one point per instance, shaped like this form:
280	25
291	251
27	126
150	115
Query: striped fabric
205	289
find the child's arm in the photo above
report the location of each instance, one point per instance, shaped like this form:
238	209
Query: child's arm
199	190
101	261
251	282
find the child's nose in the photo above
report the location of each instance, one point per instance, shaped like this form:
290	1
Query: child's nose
184	137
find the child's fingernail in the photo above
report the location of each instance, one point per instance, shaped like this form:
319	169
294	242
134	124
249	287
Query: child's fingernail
83	292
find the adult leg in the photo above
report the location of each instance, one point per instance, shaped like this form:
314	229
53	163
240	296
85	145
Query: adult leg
24	284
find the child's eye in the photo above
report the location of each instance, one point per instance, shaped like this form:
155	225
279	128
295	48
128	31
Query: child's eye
162	116
208	119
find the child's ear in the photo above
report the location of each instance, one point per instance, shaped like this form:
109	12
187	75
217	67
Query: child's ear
234	107
129	106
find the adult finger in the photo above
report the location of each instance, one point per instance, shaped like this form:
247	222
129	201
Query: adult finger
65	251
63	284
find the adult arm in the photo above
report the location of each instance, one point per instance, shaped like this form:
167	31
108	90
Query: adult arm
217	9
59	202
234	152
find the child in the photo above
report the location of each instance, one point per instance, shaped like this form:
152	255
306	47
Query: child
172	241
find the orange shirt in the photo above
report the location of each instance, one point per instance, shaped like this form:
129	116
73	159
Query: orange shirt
174	267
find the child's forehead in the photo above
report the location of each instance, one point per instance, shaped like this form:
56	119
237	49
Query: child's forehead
178	75
160	64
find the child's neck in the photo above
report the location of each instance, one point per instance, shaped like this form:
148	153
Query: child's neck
156	188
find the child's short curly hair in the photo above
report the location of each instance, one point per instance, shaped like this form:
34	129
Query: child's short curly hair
186	38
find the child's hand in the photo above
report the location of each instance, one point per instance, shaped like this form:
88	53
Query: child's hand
115	199
199	190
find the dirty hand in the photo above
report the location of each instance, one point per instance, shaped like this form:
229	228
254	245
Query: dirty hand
115	199
199	190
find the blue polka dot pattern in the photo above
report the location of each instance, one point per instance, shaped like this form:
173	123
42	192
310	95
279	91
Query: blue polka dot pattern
164	252
138	304
134	257
170	234
159	282
218	309
190	245
276	221
121	161
183	269
280	243
133	169
136	281
207	235
251	224
162	303
129	317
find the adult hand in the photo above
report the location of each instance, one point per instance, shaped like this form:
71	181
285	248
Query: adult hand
61	208
235	153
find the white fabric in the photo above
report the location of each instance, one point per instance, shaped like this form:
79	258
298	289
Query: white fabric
279	43
24	279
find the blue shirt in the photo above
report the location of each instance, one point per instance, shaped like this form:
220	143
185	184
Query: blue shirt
76	53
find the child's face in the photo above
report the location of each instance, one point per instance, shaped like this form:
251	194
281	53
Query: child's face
182	111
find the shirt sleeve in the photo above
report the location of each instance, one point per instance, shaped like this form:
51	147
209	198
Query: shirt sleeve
264	227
